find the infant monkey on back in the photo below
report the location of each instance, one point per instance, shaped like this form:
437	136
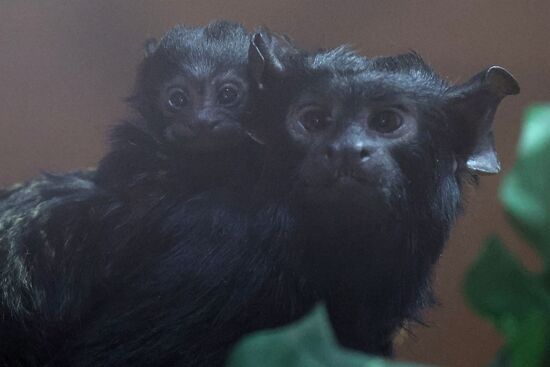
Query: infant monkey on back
256	181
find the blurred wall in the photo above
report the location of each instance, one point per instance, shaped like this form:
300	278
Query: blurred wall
65	67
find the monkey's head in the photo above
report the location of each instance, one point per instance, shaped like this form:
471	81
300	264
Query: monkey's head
371	156
193	86
375	135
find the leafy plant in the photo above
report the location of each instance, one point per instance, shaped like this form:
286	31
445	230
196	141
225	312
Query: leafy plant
497	286
309	342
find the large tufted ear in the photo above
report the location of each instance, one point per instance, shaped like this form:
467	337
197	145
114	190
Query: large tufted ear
472	108
267	55
271	56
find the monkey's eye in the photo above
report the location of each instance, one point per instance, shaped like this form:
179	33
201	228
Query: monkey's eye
314	119
228	95
385	121
177	99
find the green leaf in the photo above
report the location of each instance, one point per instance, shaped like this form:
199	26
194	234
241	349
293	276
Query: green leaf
502	359
529	346
499	288
526	190
309	342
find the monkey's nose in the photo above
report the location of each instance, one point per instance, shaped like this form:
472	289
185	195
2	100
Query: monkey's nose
347	154
206	120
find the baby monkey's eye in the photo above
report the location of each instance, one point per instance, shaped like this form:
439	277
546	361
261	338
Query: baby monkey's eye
314	119
177	99
385	121
228	95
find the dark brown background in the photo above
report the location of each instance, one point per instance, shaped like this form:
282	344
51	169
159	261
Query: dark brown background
65	67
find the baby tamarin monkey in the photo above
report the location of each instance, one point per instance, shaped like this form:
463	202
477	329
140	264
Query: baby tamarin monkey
193	90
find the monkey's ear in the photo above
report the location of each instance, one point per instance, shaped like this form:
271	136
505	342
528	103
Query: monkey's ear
150	47
267	54
473	106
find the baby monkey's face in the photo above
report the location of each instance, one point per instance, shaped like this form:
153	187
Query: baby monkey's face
203	107
193	87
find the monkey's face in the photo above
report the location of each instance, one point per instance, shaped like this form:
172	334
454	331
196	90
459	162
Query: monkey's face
358	139
203	110
193	87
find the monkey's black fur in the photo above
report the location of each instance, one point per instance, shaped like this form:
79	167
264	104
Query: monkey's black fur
346	212
351	210
46	283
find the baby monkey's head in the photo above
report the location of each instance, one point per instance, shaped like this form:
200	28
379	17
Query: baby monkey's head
193	87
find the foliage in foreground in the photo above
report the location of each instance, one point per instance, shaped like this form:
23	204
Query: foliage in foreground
309	342
497	286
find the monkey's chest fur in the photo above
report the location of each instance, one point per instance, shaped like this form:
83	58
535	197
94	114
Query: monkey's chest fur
229	267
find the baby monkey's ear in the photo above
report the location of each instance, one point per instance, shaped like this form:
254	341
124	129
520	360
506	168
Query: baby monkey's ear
150	47
268	55
472	107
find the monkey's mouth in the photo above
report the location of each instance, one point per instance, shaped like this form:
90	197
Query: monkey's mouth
350	185
220	135
343	178
339	180
346	177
